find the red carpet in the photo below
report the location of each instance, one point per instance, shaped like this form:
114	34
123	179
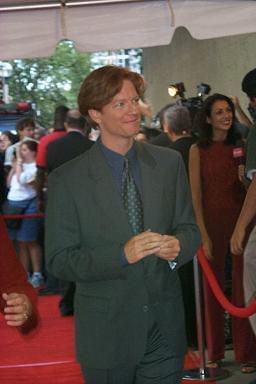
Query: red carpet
47	356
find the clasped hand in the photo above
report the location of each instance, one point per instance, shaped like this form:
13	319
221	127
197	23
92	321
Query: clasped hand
147	243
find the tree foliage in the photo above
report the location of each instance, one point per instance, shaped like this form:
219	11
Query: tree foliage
49	82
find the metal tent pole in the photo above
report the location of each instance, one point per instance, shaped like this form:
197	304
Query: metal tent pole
202	373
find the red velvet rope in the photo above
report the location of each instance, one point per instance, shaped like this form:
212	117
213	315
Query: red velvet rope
209	275
232	309
23	216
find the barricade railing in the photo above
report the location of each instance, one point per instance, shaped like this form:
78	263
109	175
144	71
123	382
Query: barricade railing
218	293
23	216
203	373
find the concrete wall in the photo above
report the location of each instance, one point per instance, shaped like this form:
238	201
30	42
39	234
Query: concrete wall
221	63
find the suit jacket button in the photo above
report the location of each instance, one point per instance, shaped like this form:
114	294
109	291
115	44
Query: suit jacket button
145	308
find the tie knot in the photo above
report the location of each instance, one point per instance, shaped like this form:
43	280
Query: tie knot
126	168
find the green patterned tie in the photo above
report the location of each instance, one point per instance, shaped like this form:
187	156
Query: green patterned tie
132	200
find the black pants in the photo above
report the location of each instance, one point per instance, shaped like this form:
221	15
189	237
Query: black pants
157	366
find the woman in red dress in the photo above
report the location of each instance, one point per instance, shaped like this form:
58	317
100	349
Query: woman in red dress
218	196
17	297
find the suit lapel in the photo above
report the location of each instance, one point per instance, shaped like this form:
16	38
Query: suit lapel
152	187
152	191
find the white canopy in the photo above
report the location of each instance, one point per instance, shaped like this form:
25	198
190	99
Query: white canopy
98	25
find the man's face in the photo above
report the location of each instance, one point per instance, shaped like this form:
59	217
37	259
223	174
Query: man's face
27	131
121	117
221	116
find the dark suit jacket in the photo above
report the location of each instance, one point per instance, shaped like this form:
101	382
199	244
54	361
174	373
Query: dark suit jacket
66	148
86	226
162	140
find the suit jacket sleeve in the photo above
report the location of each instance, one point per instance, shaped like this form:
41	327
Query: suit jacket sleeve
184	225
69	256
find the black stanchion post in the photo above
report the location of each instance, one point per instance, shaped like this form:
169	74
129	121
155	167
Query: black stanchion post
202	373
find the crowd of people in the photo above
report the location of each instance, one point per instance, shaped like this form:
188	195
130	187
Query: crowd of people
124	218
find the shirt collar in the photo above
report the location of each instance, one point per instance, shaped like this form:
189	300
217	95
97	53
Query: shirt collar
114	158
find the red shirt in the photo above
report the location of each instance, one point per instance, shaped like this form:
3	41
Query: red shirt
13	277
42	147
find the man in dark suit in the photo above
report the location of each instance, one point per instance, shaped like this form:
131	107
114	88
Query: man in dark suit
73	144
59	152
128	305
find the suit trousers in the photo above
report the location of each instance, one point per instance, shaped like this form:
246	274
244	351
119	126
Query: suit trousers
158	366
249	277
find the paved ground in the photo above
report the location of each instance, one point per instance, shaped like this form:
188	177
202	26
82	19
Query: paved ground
235	375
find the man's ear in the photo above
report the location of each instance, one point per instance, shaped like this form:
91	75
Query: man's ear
166	127
95	115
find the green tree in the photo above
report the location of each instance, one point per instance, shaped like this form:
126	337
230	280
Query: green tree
48	82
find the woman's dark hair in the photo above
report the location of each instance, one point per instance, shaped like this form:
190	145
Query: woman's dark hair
12	137
205	131
31	144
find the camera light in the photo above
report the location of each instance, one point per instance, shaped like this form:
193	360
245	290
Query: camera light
177	89
203	89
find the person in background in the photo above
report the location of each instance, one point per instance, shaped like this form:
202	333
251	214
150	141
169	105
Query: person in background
17	297
218	196
40	132
163	140
249	86
72	144
59	152
117	226
3	188
142	135
22	193
177	125
25	128
7	138
248	212
242	118
57	132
